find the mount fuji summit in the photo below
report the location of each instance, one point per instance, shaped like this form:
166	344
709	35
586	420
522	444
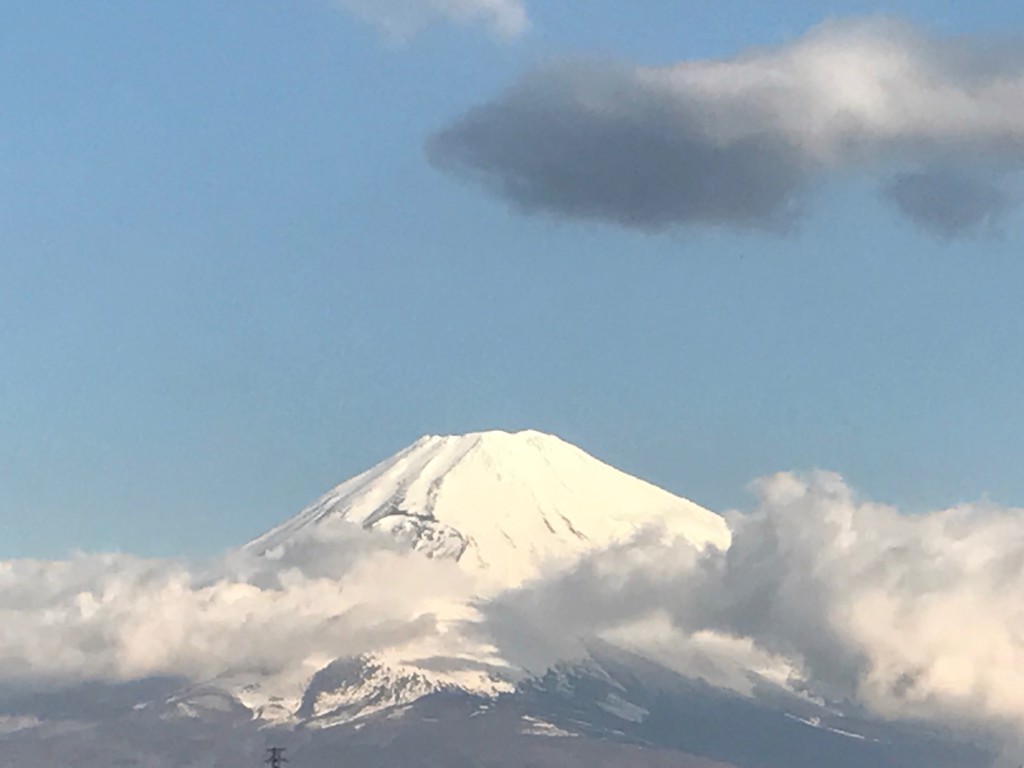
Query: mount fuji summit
504	510
434	611
505	506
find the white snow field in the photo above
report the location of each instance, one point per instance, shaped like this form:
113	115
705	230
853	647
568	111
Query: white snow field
507	506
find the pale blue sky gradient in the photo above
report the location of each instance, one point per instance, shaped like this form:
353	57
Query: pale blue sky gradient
229	279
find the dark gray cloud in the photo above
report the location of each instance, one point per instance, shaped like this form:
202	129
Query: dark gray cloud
743	142
590	144
951	203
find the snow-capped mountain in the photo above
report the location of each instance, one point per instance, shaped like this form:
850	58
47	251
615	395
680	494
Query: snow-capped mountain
507	508
504	505
420	654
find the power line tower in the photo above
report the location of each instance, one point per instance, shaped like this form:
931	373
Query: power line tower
275	757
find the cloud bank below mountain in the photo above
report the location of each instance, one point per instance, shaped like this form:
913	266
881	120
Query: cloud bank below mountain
911	616
746	141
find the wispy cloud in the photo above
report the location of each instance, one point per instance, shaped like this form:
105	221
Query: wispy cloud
744	141
116	617
402	19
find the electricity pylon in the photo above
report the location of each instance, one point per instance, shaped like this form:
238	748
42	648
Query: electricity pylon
275	757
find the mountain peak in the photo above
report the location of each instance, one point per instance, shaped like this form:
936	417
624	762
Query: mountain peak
504	504
495	439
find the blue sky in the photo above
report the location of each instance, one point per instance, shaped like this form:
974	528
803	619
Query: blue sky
230	278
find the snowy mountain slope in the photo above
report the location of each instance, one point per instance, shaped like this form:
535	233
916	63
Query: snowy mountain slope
630	698
350	689
506	506
615	711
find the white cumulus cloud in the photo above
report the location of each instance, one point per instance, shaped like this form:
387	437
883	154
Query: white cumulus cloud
913	616
117	617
